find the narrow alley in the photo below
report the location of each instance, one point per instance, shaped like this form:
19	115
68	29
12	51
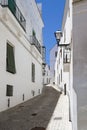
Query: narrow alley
35	112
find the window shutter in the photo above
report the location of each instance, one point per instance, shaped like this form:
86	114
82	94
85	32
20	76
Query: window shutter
33	72
9	91
12	6
10	59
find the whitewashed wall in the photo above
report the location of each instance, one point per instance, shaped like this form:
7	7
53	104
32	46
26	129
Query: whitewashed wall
52	62
25	54
46	77
32	16
80	61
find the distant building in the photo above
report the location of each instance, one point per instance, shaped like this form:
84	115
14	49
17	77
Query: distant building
20	51
53	56
46	75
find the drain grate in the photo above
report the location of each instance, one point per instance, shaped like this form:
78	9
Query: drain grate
38	128
34	114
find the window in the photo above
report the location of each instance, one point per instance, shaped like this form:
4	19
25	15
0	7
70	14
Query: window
61	52
9	90
10	61
12	6
33	33
33	72
67	55
56	54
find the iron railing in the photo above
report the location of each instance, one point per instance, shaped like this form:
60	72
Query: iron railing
11	4
35	42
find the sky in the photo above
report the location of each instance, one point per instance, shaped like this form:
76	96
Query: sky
52	14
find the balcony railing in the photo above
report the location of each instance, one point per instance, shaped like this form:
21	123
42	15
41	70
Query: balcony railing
15	11
35	42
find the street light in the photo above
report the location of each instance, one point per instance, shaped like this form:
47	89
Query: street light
67	50
58	35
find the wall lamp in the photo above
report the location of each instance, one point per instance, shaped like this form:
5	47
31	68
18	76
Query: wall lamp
58	35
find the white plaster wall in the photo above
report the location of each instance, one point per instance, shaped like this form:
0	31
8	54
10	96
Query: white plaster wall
33	18
25	54
47	75
52	62
21	81
67	76
80	61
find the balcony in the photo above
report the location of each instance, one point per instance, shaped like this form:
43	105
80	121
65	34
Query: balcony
15	11
34	41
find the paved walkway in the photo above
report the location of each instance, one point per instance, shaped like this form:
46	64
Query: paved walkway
60	117
35	112
48	111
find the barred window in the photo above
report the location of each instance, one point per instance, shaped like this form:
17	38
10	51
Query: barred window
9	90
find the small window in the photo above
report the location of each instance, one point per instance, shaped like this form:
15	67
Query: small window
61	53
33	32
33	72
56	54
9	90
10	61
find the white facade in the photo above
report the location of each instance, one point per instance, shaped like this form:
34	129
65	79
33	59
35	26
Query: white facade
76	74
53	56
46	77
80	60
63	64
25	54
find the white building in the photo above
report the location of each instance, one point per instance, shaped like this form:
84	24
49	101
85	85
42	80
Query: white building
20	52
74	32
80	60
53	56
63	69
62	64
46	75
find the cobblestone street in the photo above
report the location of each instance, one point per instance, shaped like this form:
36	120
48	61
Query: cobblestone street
34	113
